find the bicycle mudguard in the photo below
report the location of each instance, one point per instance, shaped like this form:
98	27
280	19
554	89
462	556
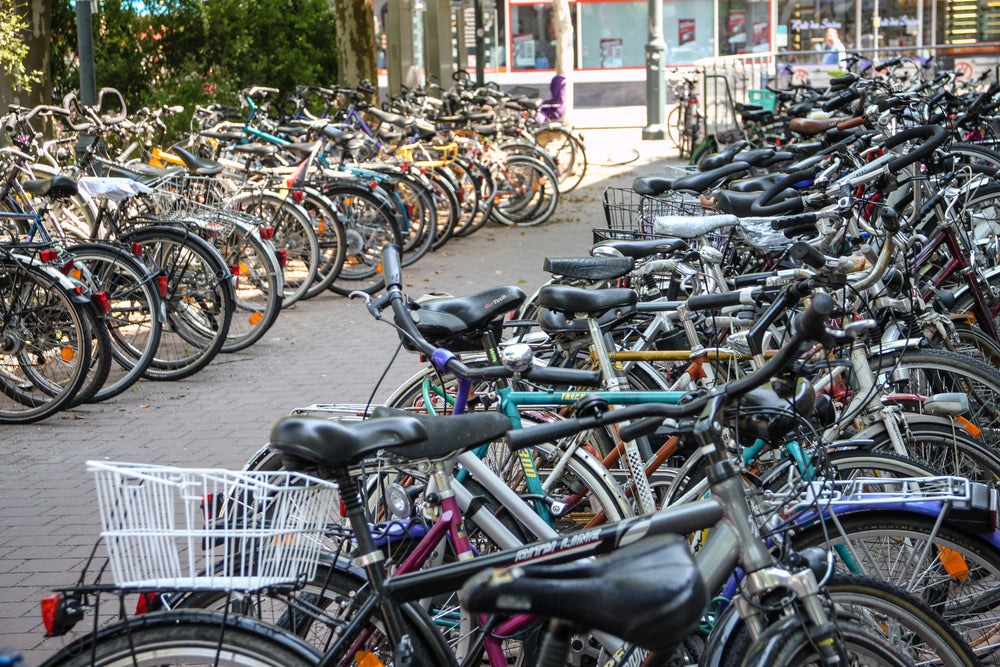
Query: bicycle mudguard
172	618
762	651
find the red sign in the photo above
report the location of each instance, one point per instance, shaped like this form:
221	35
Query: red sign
685	31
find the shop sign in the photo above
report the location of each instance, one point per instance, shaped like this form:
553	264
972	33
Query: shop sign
805	24
685	31
611	52
524	50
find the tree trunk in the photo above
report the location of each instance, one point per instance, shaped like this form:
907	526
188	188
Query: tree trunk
564	49
38	19
356	51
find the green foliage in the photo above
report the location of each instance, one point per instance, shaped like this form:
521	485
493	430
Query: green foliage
13	49
192	52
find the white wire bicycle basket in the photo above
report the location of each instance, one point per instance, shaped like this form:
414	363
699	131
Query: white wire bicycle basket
184	528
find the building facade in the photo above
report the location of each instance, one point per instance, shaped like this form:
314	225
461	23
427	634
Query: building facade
611	34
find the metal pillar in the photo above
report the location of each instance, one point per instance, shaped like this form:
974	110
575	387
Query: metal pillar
399	36
480	44
85	47
437	36
656	93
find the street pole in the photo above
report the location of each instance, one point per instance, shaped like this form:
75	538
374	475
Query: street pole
656	94
85	47
480	45
88	80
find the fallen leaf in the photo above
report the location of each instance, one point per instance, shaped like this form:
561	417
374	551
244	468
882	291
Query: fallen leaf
144	405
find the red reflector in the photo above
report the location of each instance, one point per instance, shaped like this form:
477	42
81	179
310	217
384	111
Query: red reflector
298	196
78	289
48	255
50	603
137	249
103	301
373	185
405	166
162	280
67	267
146	603
267	233
282	257
236	275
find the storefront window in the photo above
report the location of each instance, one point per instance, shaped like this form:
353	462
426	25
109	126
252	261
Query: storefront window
532	37
614	34
744	26
805	25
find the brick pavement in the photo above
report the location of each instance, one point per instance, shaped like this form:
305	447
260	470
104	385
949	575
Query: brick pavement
327	349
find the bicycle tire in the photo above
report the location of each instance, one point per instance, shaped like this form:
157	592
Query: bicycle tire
293	237
926	372
905	621
559	143
199	303
369	225
791	646
674	128
528	193
44	328
487	189
189	637
414	195
467	191
962	584
258	288
447	205
330	237
100	356
134	320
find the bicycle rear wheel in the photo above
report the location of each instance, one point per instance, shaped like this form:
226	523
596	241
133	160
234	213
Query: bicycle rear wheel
186	638
134	320
45	348
199	302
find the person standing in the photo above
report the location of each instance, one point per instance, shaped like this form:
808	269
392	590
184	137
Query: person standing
834	48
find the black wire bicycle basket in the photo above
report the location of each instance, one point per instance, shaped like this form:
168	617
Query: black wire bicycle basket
630	215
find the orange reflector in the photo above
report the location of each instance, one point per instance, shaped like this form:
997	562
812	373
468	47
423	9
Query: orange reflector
378	269
366	659
67	353
76	273
256	318
954	563
244	269
970	428
321	226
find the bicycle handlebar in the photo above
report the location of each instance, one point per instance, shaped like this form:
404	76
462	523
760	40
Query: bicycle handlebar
809	326
392	273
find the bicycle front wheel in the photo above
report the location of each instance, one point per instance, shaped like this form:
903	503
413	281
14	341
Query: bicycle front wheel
781	646
957	574
186	638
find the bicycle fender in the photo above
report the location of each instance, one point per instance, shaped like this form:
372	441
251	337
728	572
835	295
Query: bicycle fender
424	624
717	645
169	618
762	651
987	274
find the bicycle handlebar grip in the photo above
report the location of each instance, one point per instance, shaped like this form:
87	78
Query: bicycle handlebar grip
536	435
935	136
391	268
763	206
794	221
841	100
811	323
807	254
843	80
566	376
721	299
639	428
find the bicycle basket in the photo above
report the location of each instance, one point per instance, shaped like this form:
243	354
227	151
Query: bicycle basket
166	528
630	215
